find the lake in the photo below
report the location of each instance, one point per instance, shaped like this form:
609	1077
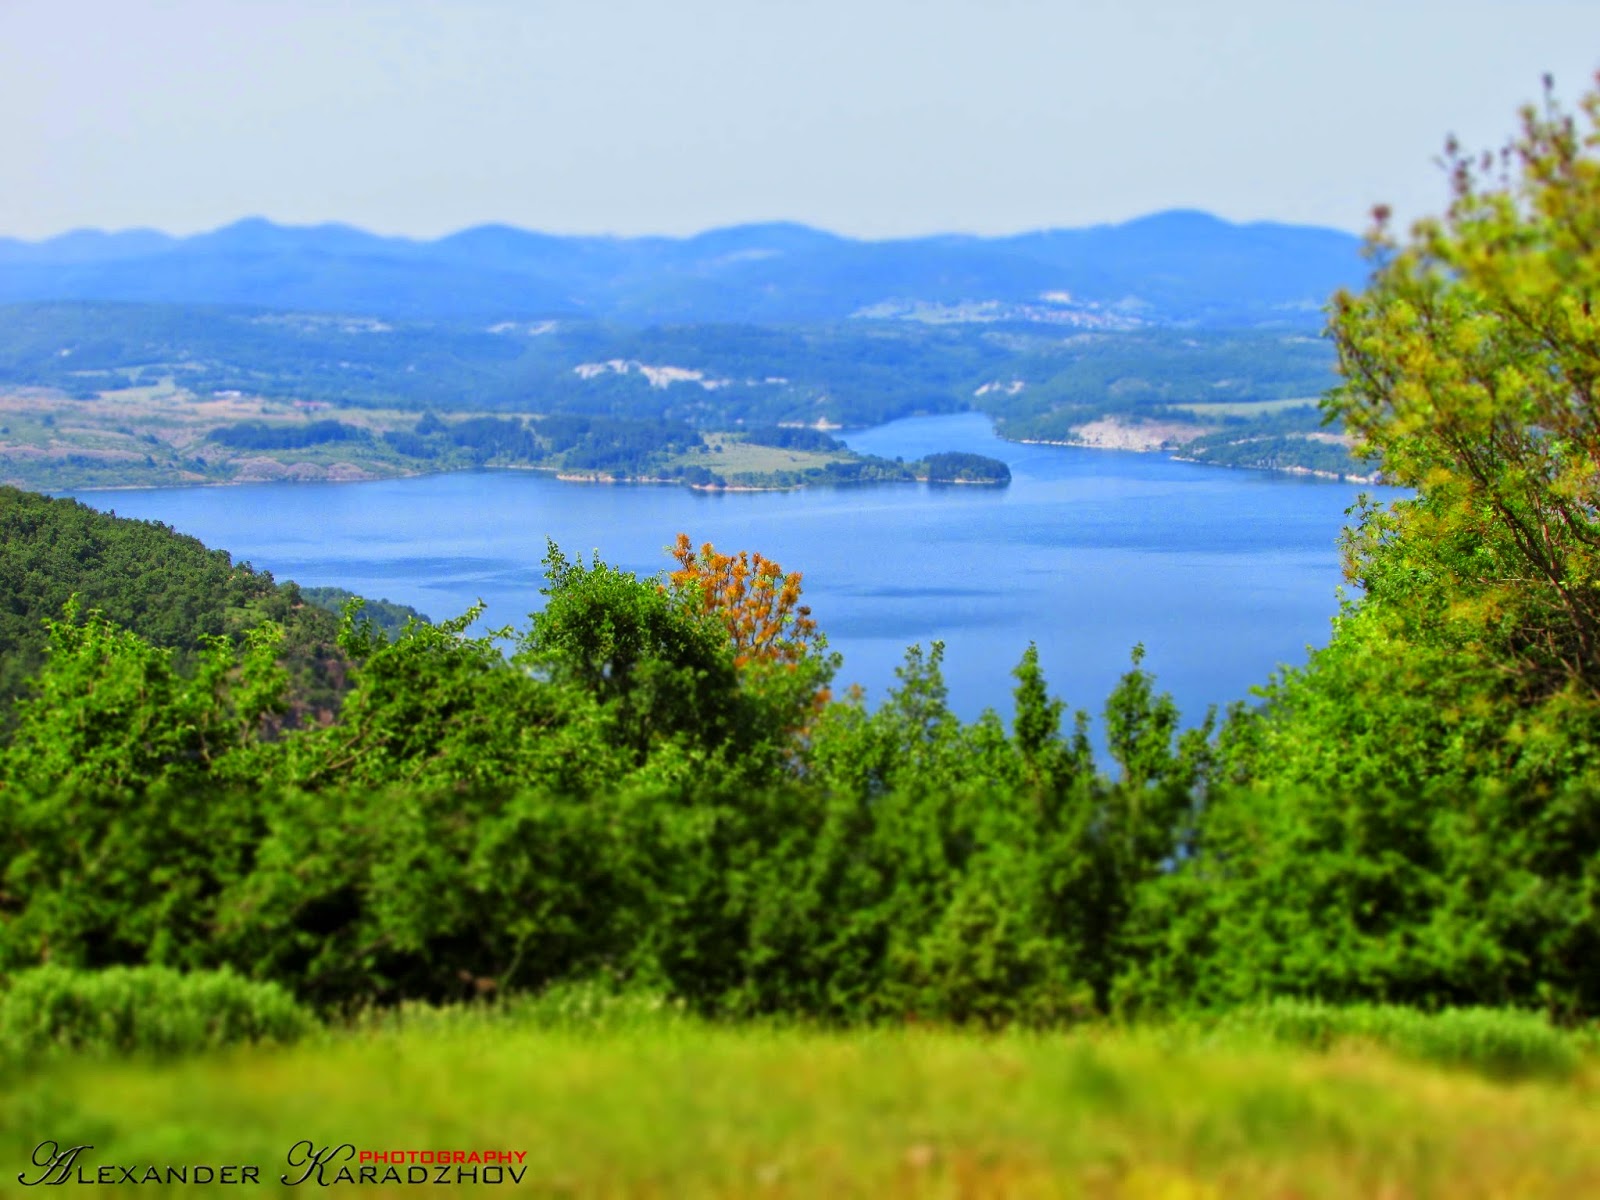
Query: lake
1221	574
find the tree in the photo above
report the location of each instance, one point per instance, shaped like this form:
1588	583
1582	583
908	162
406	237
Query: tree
1471	367
755	600
777	646
1414	816
660	668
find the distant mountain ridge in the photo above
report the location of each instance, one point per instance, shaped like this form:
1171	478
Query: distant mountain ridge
1171	268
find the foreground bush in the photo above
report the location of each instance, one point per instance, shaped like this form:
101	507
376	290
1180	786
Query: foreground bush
623	798
140	1010
472	825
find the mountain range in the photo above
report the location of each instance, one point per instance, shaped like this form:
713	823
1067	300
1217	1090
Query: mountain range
1172	268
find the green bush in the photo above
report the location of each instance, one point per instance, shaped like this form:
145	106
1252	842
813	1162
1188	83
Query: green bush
434	894
140	1010
628	805
621	800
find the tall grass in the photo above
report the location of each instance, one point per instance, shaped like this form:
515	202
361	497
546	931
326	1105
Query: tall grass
626	1094
575	1008
1500	1043
620	1097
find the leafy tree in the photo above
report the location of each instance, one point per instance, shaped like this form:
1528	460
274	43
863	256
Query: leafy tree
434	707
960	467
437	892
659	669
1472	373
756	602
258	435
782	656
792	438
1415	815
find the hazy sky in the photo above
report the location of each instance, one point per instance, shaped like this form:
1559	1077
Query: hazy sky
869	117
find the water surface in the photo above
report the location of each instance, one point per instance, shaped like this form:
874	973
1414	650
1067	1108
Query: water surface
1223	575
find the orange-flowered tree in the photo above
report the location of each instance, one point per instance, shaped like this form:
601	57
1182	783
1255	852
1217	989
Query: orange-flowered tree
758	603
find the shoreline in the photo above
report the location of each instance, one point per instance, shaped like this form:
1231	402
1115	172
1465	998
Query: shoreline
563	477
1374	479
596	478
570	477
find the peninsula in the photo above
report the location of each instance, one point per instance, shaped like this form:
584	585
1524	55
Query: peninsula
160	433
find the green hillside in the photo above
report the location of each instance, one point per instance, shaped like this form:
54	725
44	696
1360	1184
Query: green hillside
166	587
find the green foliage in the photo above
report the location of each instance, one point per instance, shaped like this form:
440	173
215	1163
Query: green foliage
620	798
110	712
435	894
1146	372
954	467
1257	449
792	438
256	435
625	447
113	844
436	707
1381	831
1414	817
617	798
955	873
104	878
659	669
148	1011
385	614
167	588
1470	368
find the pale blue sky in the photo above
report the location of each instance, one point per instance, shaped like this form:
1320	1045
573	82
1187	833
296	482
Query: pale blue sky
869	117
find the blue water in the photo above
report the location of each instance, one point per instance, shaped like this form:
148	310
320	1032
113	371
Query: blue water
1223	575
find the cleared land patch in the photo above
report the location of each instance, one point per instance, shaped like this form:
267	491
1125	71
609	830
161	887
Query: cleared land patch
728	454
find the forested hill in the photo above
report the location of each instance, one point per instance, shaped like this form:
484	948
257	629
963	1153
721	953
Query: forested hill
165	586
1180	325
1169	268
384	614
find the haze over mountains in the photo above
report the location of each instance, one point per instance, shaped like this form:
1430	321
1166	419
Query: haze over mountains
1172	268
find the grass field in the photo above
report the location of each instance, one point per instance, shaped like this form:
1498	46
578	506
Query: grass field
655	1105
738	457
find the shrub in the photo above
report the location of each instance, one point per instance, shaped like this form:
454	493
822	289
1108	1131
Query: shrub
140	1010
